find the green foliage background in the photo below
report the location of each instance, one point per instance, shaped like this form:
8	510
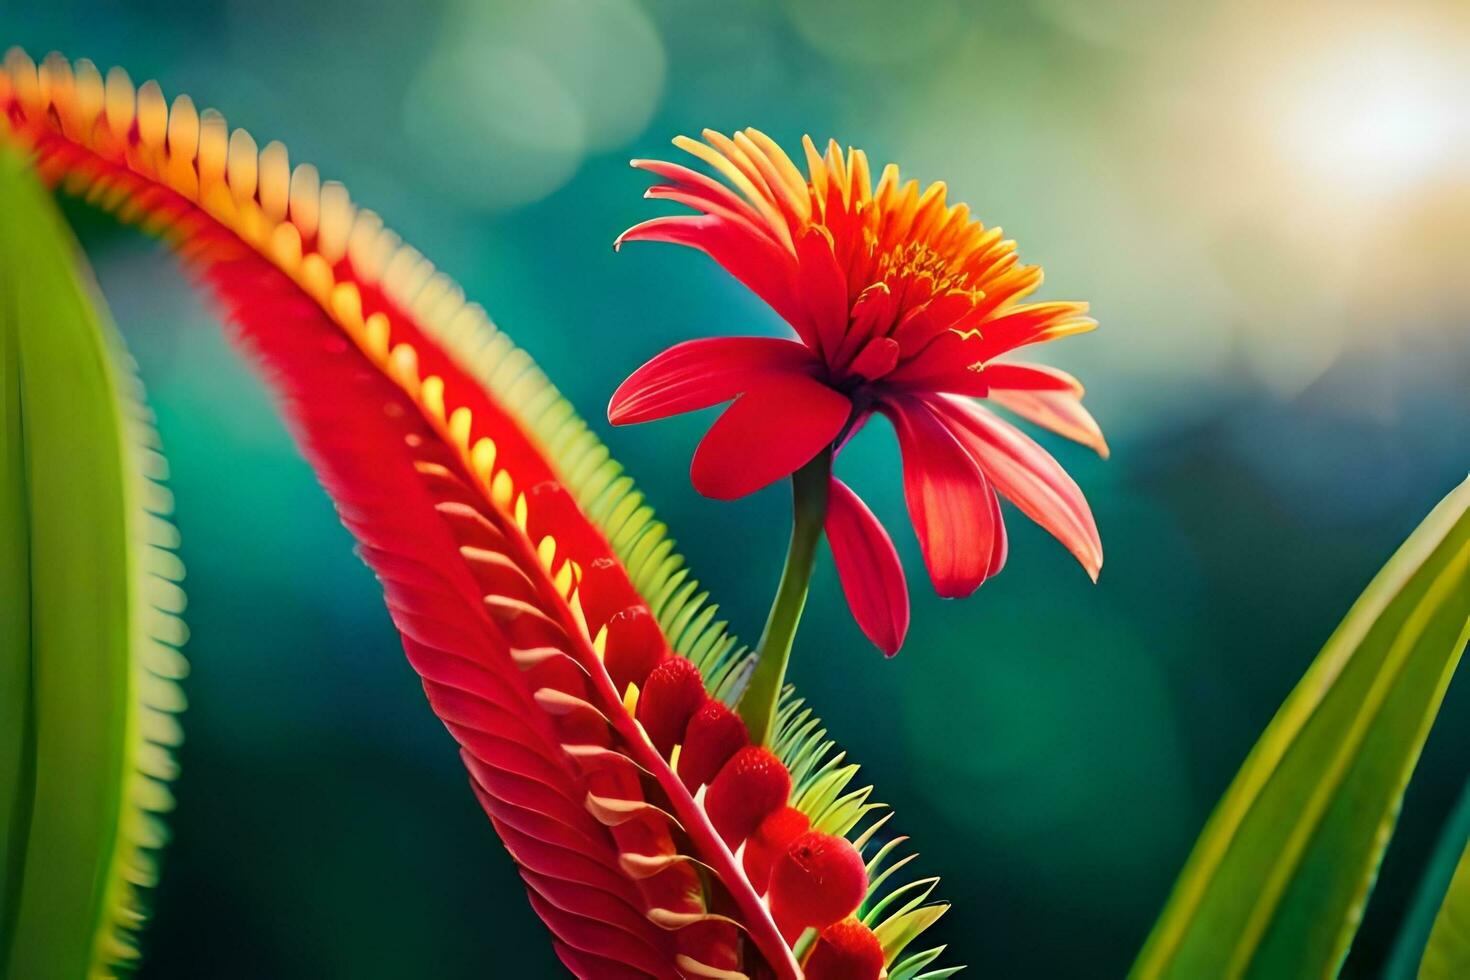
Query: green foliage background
1279	425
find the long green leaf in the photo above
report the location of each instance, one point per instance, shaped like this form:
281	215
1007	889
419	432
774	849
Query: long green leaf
1430	901
1447	955
17	726
88	613
1276	884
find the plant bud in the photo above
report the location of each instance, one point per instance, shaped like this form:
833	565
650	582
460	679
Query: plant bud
750	786
715	733
669	698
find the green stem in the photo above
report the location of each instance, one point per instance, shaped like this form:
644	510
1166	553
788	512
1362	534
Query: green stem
809	507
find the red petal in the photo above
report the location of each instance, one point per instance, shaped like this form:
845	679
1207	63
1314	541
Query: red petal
946	494
876	359
868	566
1001	548
752	226
766	269
1016	376
702	189
1028	476
923	323
871	316
949	362
1032	323
700	373
825	287
958	379
1059	411
768	433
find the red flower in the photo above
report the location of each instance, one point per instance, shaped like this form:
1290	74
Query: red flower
903	305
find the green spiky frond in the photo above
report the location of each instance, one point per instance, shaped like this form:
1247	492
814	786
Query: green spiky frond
92	608
156	698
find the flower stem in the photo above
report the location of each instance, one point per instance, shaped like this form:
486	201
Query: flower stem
809	507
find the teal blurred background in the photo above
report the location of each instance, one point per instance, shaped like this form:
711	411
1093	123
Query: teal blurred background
1268	206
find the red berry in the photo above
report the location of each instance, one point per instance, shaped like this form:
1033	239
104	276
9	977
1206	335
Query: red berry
819	880
714	734
846	950
771	839
670	696
634	647
751	785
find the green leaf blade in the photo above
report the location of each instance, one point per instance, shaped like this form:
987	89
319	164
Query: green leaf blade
1434	943
85	747
17	727
1448	953
1278	879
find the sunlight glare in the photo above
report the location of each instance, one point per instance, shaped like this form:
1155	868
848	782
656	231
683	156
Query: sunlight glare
1379	114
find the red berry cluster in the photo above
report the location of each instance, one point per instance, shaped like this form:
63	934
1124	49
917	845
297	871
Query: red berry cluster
811	880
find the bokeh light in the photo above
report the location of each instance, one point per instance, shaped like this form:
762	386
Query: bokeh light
517	133
514	96
873	32
1379	110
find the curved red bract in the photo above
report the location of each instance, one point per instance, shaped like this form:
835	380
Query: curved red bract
512	603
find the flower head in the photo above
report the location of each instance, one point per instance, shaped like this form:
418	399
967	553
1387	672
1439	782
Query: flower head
902	304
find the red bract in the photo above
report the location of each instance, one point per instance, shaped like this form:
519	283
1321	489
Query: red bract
901	304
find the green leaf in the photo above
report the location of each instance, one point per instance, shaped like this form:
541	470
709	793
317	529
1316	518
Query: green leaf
1430	903
88	613
1447	954
903	928
1276	884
